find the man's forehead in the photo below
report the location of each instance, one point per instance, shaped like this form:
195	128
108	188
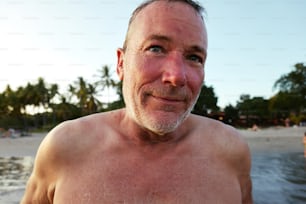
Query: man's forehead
161	11
156	20
166	7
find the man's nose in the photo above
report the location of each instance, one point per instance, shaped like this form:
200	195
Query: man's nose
174	72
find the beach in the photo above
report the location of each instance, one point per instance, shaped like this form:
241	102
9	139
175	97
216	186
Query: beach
23	150
275	139
12	149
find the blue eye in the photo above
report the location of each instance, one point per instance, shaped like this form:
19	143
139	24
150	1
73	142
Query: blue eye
195	58
156	48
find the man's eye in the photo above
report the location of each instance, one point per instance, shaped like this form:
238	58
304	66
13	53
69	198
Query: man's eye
155	48
195	58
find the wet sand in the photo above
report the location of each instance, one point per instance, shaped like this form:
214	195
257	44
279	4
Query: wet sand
275	139
261	141
17	147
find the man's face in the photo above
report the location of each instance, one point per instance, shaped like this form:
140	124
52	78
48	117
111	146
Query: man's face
162	67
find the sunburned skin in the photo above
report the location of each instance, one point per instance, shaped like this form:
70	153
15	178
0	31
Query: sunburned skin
135	171
154	150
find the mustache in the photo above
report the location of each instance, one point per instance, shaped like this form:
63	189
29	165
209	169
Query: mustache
168	92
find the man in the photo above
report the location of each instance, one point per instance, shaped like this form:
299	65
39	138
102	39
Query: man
304	142
154	150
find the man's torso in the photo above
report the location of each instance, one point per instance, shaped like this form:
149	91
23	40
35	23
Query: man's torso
192	172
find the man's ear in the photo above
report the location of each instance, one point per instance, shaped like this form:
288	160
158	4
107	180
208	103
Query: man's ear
120	58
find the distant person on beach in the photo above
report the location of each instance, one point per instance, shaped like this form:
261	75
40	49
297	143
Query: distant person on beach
287	122
304	142
154	150
254	128
10	133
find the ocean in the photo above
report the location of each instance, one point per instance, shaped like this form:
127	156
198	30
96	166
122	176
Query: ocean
279	178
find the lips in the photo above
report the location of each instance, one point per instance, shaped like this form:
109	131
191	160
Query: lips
170	98
167	93
167	98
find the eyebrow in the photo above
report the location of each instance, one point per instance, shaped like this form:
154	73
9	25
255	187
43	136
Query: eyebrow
193	48
197	48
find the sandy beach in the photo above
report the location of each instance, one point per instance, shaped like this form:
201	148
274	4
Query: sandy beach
268	139
278	139
275	139
12	189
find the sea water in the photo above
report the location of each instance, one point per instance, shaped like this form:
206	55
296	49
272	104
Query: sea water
278	178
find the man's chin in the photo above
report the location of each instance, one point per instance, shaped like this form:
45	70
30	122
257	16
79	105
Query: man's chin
165	123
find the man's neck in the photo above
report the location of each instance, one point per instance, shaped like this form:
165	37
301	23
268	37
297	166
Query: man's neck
142	136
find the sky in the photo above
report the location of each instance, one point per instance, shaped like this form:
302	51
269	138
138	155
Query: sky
251	43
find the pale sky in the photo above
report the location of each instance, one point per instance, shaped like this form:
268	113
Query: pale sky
251	42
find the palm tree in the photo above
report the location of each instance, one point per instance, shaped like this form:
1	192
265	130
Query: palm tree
105	80
42	92
29	95
92	103
120	102
81	91
12	107
3	105
86	95
65	110
13	104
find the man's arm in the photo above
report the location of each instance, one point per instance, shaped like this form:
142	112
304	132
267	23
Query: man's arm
243	166
49	159
245	178
238	153
38	186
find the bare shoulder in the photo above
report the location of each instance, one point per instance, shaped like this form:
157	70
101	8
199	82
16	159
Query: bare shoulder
76	137
222	134
228	145
223	137
62	149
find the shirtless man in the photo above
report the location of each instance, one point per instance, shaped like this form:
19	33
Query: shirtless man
154	150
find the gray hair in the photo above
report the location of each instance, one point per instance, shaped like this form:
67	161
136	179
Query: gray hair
194	4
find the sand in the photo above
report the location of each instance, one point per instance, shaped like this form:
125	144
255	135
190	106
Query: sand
275	139
21	146
17	147
262	141
268	139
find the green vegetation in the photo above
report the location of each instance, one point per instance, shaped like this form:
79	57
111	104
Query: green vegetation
42	106
289	103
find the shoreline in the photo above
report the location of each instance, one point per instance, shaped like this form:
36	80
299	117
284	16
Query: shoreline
277	138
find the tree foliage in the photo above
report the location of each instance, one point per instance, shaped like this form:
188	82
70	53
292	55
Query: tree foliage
207	101
294	81
254	110
86	95
292	91
82	98
231	115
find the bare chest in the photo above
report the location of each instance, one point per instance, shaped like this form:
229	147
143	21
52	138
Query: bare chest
171	180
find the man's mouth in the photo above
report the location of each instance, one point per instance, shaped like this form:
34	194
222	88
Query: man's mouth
169	98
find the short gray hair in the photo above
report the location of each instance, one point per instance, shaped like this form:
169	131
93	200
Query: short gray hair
194	4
